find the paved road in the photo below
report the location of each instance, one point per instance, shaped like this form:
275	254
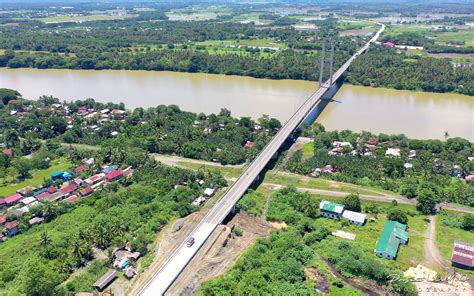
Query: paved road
165	277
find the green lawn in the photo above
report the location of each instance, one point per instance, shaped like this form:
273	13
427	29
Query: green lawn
450	37
288	179
368	235
37	177
308	150
445	238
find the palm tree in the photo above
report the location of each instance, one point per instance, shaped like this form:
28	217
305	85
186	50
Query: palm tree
81	249
446	135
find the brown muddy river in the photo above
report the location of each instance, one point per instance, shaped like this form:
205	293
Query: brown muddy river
416	114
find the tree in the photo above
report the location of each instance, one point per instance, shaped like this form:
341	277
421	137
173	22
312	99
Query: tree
23	166
352	202
398	215
468	222
39	279
426	201
6	95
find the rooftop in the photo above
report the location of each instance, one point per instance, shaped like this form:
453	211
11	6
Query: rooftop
331	207
392	233
354	216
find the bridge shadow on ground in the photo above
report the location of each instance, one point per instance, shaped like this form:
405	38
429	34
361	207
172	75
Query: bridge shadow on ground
308	121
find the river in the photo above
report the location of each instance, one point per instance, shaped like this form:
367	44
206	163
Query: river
416	114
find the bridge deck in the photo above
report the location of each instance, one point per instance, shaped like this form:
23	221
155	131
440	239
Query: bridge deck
165	277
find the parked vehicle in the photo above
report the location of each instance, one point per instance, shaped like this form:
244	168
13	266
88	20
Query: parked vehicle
190	242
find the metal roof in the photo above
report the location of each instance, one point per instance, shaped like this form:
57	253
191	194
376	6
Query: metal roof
331	207
390	238
354	216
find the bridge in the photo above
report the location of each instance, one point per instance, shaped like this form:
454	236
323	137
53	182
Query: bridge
178	261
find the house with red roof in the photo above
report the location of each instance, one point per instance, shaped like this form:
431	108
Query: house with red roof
95	179
8	151
463	255
52	190
80	169
114	175
73	198
68	189
249	144
389	44
86	191
3	220
12	228
2	203
13	199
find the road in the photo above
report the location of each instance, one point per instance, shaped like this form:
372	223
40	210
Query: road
165	277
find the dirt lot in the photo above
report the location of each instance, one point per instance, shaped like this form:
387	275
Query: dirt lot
220	253
167	241
216	256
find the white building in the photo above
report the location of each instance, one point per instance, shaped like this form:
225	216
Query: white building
355	217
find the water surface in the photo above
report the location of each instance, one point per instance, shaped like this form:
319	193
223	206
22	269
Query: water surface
416	114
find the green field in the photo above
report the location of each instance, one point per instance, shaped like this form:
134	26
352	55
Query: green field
37	178
453	37
445	238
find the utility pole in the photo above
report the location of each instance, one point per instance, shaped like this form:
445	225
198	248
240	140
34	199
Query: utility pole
321	68
331	62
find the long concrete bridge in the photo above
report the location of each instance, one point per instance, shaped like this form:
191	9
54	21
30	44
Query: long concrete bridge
178	261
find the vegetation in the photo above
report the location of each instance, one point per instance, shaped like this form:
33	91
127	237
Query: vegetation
278	263
436	175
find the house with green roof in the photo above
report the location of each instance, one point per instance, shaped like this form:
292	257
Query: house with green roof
331	210
392	236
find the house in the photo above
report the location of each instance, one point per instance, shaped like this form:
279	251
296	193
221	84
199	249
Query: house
8	151
39	191
330	210
78	182
129	272
118	114
315	173
209	192
108	169
52	190
395	152
389	44
200	182
50	197
328	169
122	258
199	201
12	227
463	255
25	190
12	199
3	220
355	217
128	171
114	175
393	234
2	203
64	176
27	200
86	191
72	199
412	153
469	179
105	280
88	161
95	179
35	220
249	144
408	165
80	169
68	189
341	144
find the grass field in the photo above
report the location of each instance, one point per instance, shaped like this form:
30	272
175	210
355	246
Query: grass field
368	235
308	150
453	37
37	178
445	238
